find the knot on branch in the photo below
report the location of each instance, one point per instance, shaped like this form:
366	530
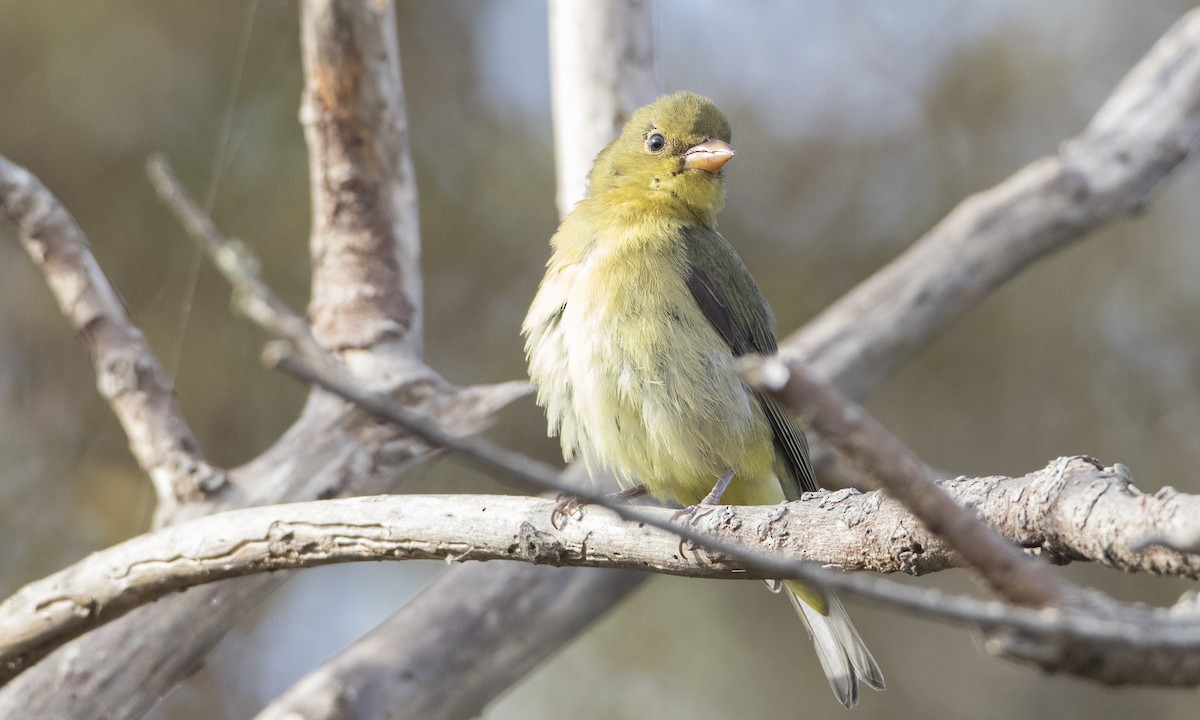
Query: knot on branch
538	547
282	542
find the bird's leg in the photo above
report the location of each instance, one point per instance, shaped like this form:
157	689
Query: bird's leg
714	496
630	493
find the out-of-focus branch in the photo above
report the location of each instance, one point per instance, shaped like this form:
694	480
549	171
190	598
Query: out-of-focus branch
601	70
882	458
366	276
241	269
1145	131
128	374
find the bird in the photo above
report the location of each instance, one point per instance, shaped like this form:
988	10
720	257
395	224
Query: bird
633	339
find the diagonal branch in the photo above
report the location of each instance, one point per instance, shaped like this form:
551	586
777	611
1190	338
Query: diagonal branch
892	466
1144	131
128	374
252	296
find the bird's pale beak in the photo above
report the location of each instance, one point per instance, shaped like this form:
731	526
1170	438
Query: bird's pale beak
709	155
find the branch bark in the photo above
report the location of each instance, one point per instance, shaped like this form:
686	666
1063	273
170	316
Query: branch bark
365	246
1071	510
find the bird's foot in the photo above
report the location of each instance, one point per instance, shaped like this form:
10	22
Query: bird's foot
565	507
568	506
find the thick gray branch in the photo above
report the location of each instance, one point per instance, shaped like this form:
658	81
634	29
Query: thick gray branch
1071	510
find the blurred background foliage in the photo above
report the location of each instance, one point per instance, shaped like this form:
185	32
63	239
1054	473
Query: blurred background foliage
857	125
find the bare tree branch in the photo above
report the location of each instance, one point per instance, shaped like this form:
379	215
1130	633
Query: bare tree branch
1070	510
128	374
366	280
1145	130
892	466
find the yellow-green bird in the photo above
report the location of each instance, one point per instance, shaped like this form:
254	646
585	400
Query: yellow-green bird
633	339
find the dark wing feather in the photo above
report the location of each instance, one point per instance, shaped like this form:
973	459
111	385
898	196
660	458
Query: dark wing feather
732	302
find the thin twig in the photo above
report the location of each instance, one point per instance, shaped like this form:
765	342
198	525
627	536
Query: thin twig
235	261
890	465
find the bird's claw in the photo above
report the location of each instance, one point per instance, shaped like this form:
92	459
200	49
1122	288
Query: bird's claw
565	508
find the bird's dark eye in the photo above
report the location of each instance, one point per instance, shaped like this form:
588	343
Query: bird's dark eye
656	142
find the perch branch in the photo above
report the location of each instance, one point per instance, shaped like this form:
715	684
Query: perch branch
849	529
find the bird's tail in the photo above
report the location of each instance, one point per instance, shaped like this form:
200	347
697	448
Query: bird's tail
843	654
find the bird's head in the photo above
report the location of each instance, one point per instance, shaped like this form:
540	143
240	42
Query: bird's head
671	151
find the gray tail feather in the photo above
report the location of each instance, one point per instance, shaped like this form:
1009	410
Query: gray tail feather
843	654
